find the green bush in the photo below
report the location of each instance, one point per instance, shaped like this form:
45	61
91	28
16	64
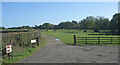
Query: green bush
20	42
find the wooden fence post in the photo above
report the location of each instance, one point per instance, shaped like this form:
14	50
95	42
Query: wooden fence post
98	40
38	40
8	55
75	40
33	45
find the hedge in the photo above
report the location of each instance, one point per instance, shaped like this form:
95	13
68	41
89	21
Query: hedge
19	41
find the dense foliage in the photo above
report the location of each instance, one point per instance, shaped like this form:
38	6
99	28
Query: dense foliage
19	41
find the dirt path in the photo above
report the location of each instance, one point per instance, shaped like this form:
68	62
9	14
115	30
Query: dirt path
52	53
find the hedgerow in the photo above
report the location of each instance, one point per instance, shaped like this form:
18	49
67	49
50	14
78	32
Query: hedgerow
19	41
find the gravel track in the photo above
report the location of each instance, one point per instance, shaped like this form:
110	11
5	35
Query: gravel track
63	53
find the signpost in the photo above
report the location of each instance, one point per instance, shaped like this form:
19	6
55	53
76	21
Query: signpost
33	41
8	50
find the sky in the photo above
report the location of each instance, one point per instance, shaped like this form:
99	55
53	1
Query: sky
16	14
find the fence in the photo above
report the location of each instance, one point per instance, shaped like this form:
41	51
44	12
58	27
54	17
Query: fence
97	40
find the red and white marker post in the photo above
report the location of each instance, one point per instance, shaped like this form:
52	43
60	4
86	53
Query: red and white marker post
8	50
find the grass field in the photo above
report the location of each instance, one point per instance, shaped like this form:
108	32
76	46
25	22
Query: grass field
66	35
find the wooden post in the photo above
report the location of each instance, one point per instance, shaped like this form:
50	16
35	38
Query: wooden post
8	55
33	45
98	40
111	40
38	40
75	40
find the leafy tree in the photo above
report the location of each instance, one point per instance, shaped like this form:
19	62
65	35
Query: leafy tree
63	25
25	27
101	23
87	23
48	26
68	25
74	24
115	22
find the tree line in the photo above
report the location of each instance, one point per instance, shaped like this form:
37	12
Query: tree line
90	22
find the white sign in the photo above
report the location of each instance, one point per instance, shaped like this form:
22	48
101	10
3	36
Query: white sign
33	41
8	48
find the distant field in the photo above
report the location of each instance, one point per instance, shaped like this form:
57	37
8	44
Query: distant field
66	35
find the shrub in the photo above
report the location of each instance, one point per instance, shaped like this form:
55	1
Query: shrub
19	41
96	30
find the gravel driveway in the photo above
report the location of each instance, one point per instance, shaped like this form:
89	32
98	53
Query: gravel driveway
54	53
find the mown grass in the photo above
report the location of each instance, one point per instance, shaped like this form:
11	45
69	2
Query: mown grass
66	35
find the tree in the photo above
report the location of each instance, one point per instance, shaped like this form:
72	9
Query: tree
68	25
90	22
36	27
101	23
115	22
63	25
25	27
48	26
87	23
74	25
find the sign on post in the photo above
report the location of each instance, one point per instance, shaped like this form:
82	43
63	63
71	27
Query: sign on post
33	41
8	48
